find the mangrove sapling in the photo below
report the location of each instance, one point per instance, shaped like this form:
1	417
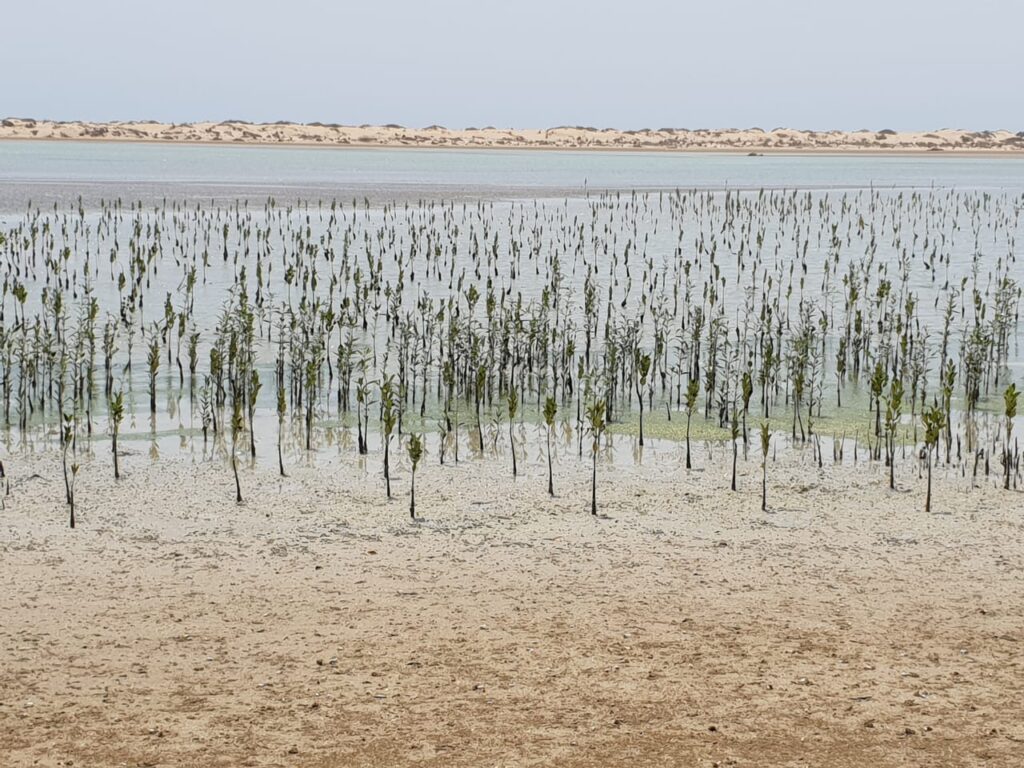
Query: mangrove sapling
116	417
205	412
70	471
643	369
934	421
513	407
495	432
415	447
182	320
237	425
215	387
451	412
595	417
692	390
585	383
74	478
312	375
1011	398
362	413
193	364
252	394
879	378
799	383
389	418
734	431
6	487
893	414
550	411
948	378
154	366
282	409
746	390
766	437
478	393
840	370
442	437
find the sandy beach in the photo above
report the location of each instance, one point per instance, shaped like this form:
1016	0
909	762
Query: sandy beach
563	137
315	625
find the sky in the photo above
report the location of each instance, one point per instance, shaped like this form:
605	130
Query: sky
631	64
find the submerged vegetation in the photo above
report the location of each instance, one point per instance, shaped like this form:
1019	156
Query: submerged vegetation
887	319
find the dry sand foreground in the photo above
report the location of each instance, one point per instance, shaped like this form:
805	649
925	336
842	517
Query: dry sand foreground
563	137
316	626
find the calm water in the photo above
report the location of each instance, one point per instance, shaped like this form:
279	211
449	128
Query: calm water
58	171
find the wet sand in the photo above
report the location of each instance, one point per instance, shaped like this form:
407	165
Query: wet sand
315	625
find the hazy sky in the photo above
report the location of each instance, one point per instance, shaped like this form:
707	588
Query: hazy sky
901	64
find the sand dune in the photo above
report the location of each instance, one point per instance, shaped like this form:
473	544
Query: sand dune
563	137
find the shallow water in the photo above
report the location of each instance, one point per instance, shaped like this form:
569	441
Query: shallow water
539	199
58	170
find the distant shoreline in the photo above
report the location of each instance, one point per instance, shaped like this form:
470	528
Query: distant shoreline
942	143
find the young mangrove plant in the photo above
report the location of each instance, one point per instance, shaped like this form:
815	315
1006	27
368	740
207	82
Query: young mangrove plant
1011	398
893	414
692	390
550	411
237	426
252	393
415	448
362	414
70	470
643	369
513	408
746	390
282	411
154	366
478	398
389	418
734	433
595	417
116	417
934	422
766	438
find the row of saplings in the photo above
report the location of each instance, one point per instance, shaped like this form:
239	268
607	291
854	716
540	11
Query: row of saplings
933	421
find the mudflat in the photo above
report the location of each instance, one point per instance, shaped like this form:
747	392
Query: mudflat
317	625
